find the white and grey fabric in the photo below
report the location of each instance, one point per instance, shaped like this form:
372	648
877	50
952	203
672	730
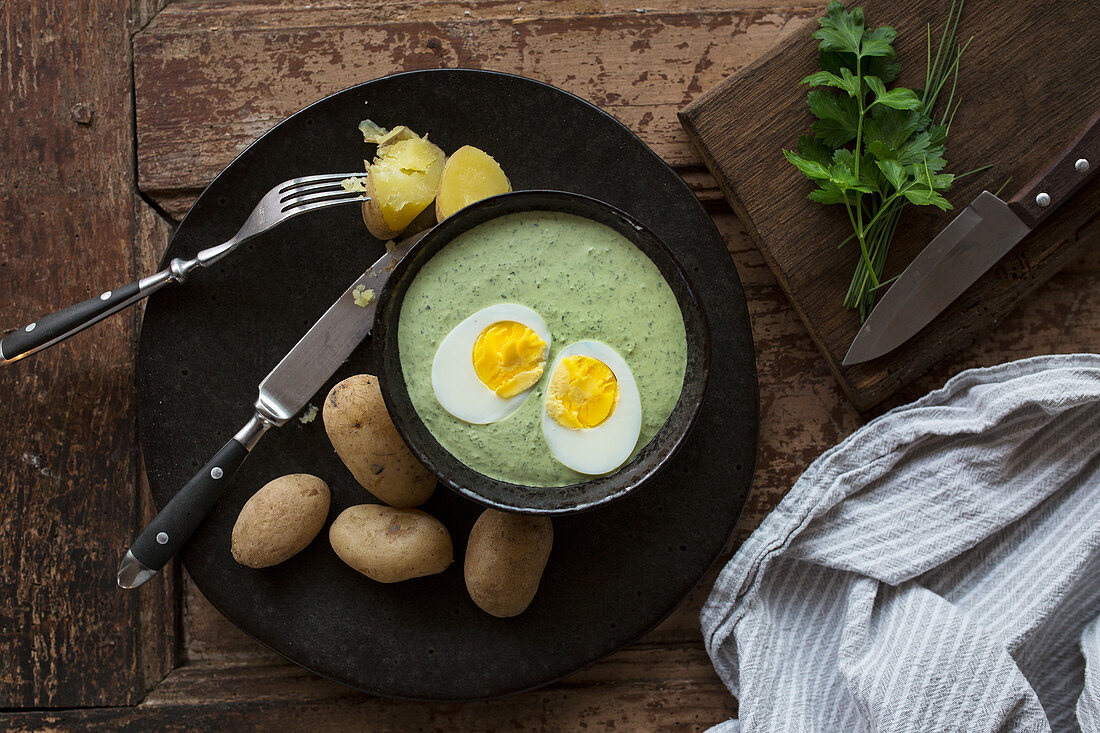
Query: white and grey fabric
939	570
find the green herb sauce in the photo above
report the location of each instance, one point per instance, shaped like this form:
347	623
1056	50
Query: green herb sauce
587	281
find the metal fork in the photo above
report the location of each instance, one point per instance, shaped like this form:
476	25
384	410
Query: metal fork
287	200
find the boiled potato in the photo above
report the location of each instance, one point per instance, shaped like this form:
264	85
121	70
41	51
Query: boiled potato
280	520
470	175
505	558
390	545
367	442
402	180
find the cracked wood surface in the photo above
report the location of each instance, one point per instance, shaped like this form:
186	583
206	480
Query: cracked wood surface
69	219
210	79
224	680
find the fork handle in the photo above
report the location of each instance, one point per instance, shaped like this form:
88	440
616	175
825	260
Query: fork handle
64	323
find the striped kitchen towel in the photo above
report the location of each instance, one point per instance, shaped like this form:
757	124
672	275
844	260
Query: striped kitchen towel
939	570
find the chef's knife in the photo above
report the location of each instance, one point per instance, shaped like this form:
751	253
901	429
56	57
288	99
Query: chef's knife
971	244
283	393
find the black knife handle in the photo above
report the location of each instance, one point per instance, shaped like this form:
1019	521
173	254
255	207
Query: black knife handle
64	323
162	539
1055	185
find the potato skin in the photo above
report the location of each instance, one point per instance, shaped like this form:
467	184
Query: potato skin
505	558
390	545
401	182
367	442
373	217
280	520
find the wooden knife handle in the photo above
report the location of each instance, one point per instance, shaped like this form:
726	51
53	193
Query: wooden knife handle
1055	185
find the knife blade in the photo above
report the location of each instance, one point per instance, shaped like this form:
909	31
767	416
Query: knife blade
282	394
972	243
969	246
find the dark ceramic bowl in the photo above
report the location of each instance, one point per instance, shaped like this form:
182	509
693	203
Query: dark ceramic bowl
515	497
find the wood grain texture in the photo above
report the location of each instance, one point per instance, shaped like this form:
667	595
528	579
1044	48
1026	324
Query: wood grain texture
1019	109
67	437
647	690
210	81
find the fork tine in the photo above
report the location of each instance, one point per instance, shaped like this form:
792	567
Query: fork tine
320	196
331	186
322	204
336	177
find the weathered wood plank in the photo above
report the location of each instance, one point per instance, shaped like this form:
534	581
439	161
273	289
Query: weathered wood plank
743	124
190	14
647	689
158	636
68	220
206	90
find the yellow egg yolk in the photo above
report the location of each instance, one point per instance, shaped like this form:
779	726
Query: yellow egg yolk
582	392
509	358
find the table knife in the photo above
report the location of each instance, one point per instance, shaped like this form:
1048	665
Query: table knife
971	244
283	393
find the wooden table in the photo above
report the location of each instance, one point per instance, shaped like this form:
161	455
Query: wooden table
116	113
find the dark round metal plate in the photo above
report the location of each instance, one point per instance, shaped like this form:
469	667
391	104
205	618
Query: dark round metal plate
615	571
582	495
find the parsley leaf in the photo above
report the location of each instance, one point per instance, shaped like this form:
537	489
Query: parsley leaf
828	192
884	67
840	30
878	42
921	195
846	80
892	127
895	173
810	148
812	169
900	98
837	117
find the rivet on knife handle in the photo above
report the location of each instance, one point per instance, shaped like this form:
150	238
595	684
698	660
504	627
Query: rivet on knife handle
282	394
1069	171
173	526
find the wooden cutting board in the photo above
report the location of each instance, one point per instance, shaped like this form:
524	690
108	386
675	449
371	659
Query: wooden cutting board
1030	81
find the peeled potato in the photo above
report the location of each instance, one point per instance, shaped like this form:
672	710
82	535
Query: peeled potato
470	175
402	180
505	558
366	440
390	545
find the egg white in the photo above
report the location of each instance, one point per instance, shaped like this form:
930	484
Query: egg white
455	382
602	449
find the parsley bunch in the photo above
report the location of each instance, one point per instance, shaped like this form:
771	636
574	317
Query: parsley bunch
875	150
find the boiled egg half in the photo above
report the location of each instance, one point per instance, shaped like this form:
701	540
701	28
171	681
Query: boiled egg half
592	415
484	368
